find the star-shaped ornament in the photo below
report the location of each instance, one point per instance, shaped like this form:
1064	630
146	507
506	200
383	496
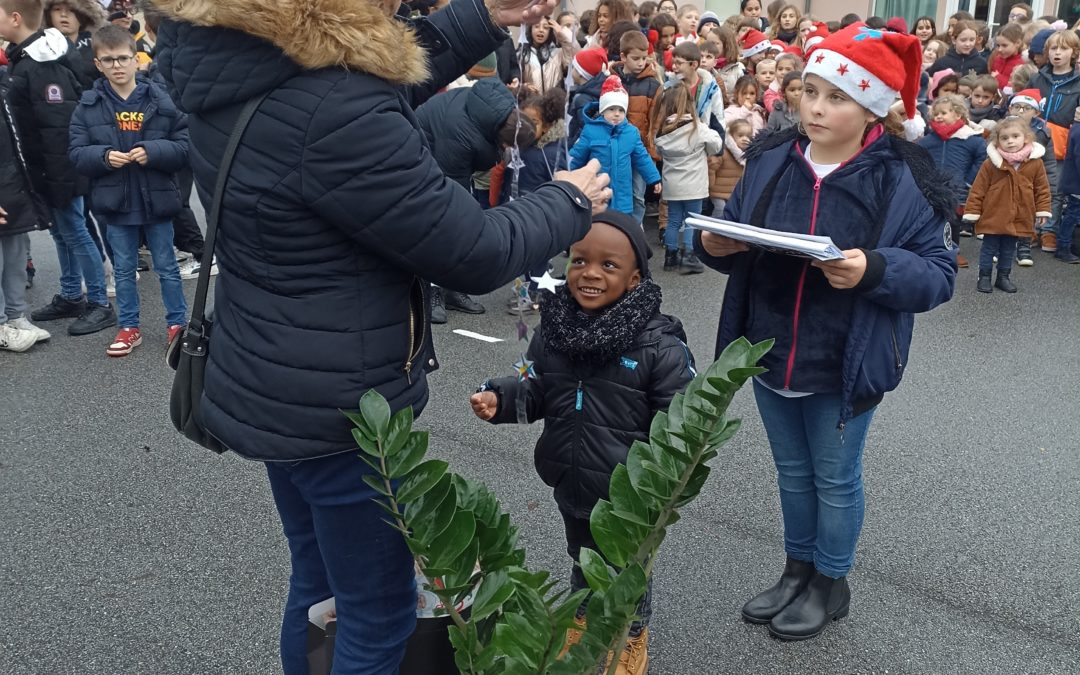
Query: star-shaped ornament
522	330
525	370
548	282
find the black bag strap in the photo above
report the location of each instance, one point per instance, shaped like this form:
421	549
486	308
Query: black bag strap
198	309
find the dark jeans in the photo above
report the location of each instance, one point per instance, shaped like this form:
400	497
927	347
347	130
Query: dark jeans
341	547
186	233
578	535
1001	245
1070	218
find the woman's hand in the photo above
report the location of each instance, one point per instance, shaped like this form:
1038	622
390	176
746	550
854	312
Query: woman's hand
589	180
3	216
719	246
484	404
846	273
519	12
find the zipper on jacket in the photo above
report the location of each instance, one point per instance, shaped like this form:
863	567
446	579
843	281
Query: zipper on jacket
896	349
578	405
415	346
799	290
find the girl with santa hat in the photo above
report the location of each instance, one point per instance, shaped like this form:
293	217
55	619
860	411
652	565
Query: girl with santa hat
842	327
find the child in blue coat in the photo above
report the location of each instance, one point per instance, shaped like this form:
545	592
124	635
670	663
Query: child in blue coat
130	139
611	139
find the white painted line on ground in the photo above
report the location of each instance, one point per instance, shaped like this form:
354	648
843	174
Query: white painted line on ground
476	336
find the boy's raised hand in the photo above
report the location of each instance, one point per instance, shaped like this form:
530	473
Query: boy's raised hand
118	159
484	404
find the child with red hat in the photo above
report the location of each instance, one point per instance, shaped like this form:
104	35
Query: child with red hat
842	327
608	137
587	72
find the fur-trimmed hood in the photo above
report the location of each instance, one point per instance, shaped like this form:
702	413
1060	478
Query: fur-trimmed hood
354	34
1037	152
90	13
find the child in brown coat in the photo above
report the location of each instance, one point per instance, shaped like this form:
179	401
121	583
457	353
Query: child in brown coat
1010	195
727	168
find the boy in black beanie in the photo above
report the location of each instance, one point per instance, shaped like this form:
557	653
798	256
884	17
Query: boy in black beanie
605	360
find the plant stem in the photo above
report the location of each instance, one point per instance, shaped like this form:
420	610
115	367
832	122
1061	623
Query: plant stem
399	517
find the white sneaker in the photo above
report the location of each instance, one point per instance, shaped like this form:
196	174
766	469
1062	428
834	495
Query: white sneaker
190	270
15	340
110	279
181	256
22	323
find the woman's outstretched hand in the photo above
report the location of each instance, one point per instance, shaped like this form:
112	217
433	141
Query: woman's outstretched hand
589	180
518	12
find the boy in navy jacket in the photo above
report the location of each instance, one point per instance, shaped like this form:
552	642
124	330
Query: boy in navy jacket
130	139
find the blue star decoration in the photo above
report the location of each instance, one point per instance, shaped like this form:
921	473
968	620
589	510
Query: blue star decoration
525	370
548	282
866	33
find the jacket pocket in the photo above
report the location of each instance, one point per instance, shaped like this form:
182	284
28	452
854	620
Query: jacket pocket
417	326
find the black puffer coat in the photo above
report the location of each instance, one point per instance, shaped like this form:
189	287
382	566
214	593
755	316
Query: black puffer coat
461	127
961	64
26	211
336	215
593	414
43	93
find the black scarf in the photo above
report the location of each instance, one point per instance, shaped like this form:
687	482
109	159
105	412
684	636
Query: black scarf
597	338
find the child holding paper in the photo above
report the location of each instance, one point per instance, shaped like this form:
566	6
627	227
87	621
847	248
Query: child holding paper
842	327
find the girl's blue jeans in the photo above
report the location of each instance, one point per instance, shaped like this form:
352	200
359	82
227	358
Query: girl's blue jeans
342	547
677	212
819	471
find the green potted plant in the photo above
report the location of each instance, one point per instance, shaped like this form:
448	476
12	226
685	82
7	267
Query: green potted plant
467	545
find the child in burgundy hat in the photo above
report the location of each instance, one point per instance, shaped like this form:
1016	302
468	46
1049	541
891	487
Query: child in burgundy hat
842	327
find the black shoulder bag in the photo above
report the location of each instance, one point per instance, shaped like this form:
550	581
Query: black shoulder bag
187	354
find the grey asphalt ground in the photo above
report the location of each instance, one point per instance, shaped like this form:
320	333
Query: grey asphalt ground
125	549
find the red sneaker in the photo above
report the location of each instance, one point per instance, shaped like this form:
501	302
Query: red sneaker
125	341
174	332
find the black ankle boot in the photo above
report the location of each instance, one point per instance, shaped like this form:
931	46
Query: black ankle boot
767	604
671	260
985	285
823	601
1004	283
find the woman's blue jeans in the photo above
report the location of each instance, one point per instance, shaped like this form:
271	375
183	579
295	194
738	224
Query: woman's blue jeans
819	470
342	547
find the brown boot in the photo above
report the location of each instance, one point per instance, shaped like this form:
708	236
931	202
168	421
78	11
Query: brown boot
961	261
573	635
635	657
1049	242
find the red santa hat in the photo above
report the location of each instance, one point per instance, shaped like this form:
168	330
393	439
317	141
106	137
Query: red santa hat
754	42
613	94
793	49
590	62
814	37
778	46
1030	97
871	66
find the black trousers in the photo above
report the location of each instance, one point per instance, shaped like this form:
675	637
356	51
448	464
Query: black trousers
186	233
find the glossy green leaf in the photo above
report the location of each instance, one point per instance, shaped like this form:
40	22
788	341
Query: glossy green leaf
624	498
376	483
410	455
397	432
366	444
375	411
595	570
495	589
449	544
422	479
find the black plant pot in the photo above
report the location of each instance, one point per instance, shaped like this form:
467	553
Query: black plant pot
429	651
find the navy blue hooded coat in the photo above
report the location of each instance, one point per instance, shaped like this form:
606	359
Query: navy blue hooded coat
888	200
151	189
336	215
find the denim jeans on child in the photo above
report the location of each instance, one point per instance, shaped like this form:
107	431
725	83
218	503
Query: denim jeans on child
1070	219
124	240
341	547
639	197
13	252
677	212
819	471
1001	245
579	535
79	257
